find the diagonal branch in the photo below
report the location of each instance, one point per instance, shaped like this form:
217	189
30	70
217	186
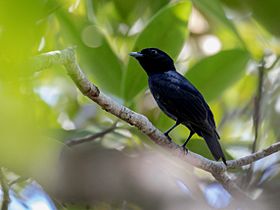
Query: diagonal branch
89	138
67	58
254	157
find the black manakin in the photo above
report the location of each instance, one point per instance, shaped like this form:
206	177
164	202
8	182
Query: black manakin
179	99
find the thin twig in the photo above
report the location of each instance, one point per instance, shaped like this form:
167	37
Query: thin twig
18	180
254	157
235	113
89	138
258	101
273	64
256	116
5	189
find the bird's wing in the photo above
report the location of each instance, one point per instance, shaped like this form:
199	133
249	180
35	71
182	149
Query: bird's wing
178	97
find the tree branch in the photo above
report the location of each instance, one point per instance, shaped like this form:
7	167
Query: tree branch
67	58
254	157
89	138
5	190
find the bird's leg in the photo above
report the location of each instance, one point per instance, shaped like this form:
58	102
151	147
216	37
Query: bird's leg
170	129
190	135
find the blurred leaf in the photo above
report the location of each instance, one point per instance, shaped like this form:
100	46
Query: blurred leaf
21	27
100	60
214	10
113	12
104	66
21	130
167	30
131	10
236	4
261	10
212	75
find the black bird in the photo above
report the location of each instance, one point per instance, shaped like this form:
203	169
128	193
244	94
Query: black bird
179	99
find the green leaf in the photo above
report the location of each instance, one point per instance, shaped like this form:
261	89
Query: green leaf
137	8
212	75
214	11
104	67
167	30
100	60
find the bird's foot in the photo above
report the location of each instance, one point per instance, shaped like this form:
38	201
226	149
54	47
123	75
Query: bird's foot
169	138
183	152
185	149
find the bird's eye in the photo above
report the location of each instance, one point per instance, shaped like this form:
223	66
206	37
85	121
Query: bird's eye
154	52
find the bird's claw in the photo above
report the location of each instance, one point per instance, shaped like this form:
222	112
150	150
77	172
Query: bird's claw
169	138
183	152
185	149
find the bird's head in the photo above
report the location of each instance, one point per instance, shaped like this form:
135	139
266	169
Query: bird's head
154	60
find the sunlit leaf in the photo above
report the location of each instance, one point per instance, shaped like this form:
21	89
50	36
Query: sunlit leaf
212	75
167	31
213	10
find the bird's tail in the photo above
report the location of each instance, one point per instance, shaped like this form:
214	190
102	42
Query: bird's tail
215	147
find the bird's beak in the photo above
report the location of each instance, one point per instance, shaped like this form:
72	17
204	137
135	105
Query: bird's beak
136	54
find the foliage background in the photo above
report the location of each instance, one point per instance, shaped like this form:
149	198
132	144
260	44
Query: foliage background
218	45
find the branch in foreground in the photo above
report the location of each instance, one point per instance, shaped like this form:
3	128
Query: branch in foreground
68	59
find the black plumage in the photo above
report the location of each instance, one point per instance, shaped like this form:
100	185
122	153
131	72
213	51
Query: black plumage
179	99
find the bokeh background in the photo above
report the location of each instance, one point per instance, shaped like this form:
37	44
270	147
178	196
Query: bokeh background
228	49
